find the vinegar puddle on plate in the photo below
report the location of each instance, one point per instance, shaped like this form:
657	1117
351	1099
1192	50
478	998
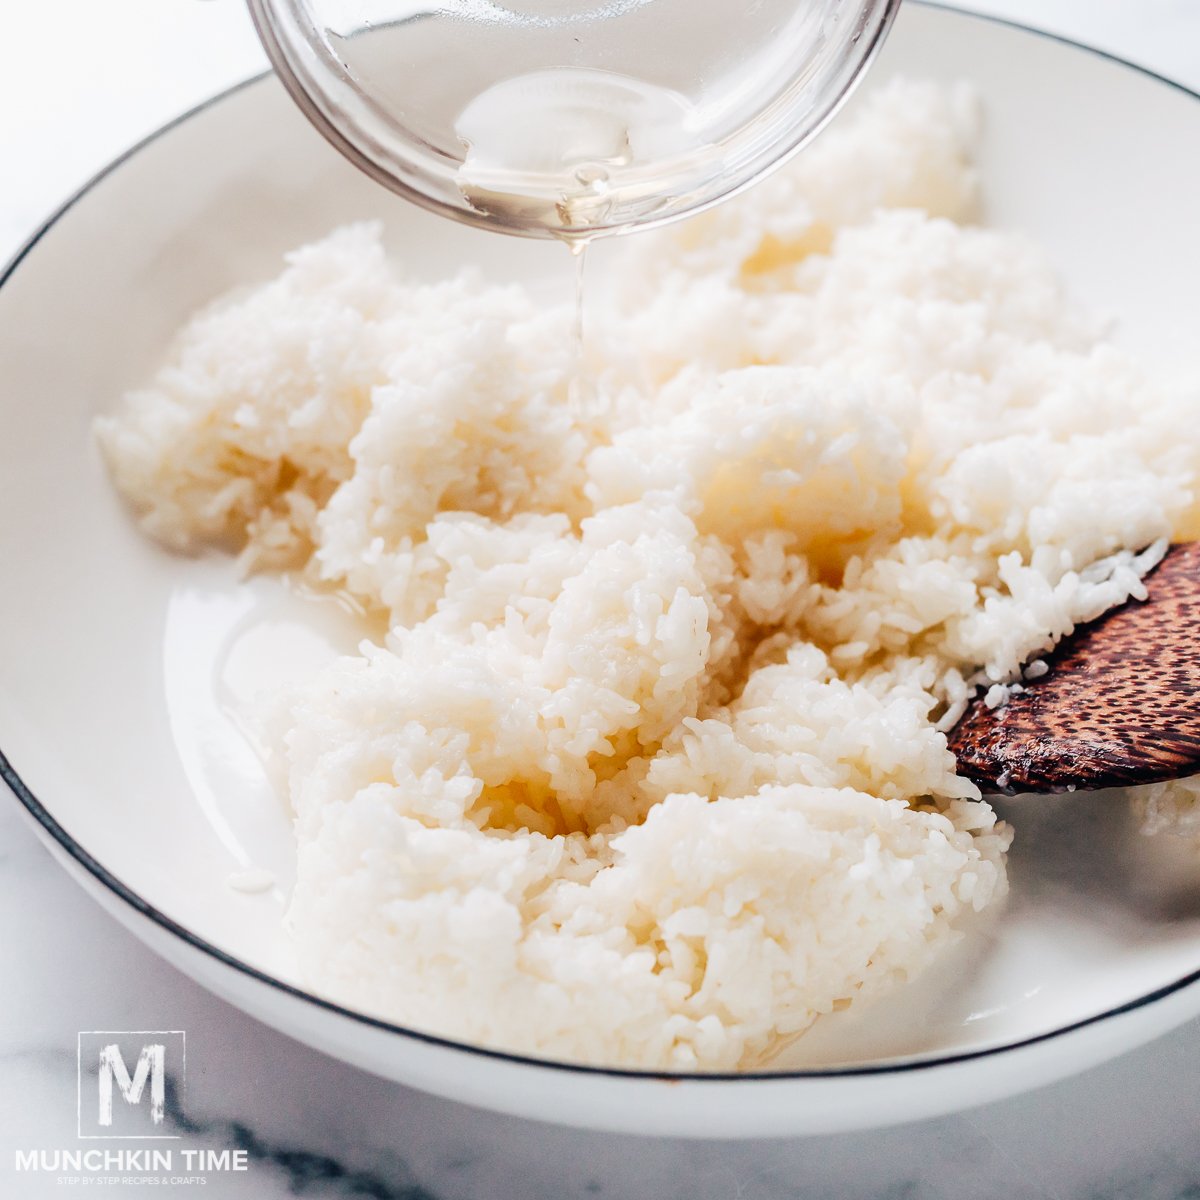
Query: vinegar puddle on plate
228	645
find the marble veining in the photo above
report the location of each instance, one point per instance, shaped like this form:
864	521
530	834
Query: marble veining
315	1128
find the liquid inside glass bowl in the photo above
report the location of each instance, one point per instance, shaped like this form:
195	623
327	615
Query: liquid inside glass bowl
567	118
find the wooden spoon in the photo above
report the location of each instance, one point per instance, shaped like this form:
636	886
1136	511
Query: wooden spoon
1120	704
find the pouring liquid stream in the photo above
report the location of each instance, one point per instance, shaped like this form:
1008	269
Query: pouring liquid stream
578	248
580	387
573	152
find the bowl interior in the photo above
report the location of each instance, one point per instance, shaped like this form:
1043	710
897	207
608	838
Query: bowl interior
126	672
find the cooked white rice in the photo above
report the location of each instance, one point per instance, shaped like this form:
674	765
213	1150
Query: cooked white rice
649	770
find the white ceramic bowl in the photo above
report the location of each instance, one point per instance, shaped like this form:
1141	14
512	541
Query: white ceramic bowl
115	741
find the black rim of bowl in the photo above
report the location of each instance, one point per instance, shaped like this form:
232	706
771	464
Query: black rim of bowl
52	829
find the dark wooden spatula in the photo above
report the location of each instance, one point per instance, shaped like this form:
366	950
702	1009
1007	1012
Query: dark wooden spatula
1120	704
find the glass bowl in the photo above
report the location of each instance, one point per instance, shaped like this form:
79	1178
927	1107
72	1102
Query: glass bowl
567	118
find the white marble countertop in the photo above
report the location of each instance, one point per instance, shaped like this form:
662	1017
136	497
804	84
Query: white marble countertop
80	80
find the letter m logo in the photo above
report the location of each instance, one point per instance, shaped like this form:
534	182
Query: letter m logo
129	1072
151	1062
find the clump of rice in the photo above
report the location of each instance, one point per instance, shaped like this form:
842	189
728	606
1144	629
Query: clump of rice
1171	807
649	769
